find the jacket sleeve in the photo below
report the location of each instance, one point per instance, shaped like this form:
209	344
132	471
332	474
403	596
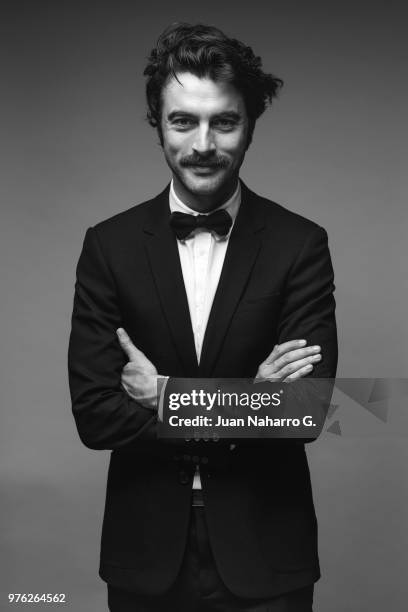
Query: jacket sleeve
309	312
106	417
309	307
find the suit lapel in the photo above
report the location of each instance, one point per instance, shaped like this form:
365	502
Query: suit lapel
162	252
242	251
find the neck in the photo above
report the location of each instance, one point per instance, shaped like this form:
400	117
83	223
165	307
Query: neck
203	202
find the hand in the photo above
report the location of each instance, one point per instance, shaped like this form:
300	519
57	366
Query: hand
139	375
289	361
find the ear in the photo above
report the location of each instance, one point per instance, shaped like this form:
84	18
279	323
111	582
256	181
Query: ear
160	134
251	128
249	138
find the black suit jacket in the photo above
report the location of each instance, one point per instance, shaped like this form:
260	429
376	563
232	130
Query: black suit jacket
276	285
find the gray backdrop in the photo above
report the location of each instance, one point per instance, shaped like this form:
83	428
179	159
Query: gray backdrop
75	149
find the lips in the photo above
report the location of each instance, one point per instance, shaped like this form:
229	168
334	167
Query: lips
201	168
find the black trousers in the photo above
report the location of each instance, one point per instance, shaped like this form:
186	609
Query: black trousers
199	588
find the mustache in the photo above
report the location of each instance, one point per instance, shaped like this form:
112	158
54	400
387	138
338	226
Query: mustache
215	162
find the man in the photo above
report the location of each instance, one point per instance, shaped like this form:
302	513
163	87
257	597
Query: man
207	279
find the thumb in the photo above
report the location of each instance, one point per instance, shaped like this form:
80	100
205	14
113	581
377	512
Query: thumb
127	345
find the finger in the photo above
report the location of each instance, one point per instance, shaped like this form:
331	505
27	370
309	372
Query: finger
280	349
127	345
293	367
296	355
299	373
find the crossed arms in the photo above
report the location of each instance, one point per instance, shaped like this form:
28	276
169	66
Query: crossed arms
287	362
113	384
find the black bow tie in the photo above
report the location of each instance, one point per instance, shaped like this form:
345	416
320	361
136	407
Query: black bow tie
219	222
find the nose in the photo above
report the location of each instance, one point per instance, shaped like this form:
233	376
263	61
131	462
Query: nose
203	142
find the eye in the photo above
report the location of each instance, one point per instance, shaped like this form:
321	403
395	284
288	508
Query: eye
224	124
183	122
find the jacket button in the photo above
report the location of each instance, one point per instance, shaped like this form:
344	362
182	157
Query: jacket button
196	459
183	477
204	460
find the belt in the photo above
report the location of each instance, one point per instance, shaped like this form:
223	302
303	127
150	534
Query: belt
197	498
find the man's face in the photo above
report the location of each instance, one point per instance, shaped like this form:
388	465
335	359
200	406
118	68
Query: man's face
205	132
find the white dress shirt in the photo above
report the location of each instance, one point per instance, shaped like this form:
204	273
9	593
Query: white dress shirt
202	256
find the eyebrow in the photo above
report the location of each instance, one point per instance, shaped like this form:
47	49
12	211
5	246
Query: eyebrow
233	115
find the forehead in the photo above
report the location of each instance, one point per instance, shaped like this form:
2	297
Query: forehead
189	93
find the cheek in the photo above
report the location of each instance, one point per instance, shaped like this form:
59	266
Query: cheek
232	144
175	145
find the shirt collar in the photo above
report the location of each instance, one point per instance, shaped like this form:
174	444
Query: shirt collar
231	206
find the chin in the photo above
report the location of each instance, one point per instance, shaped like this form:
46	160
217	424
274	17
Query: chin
205	185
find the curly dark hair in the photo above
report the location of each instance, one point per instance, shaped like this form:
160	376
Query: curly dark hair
206	51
